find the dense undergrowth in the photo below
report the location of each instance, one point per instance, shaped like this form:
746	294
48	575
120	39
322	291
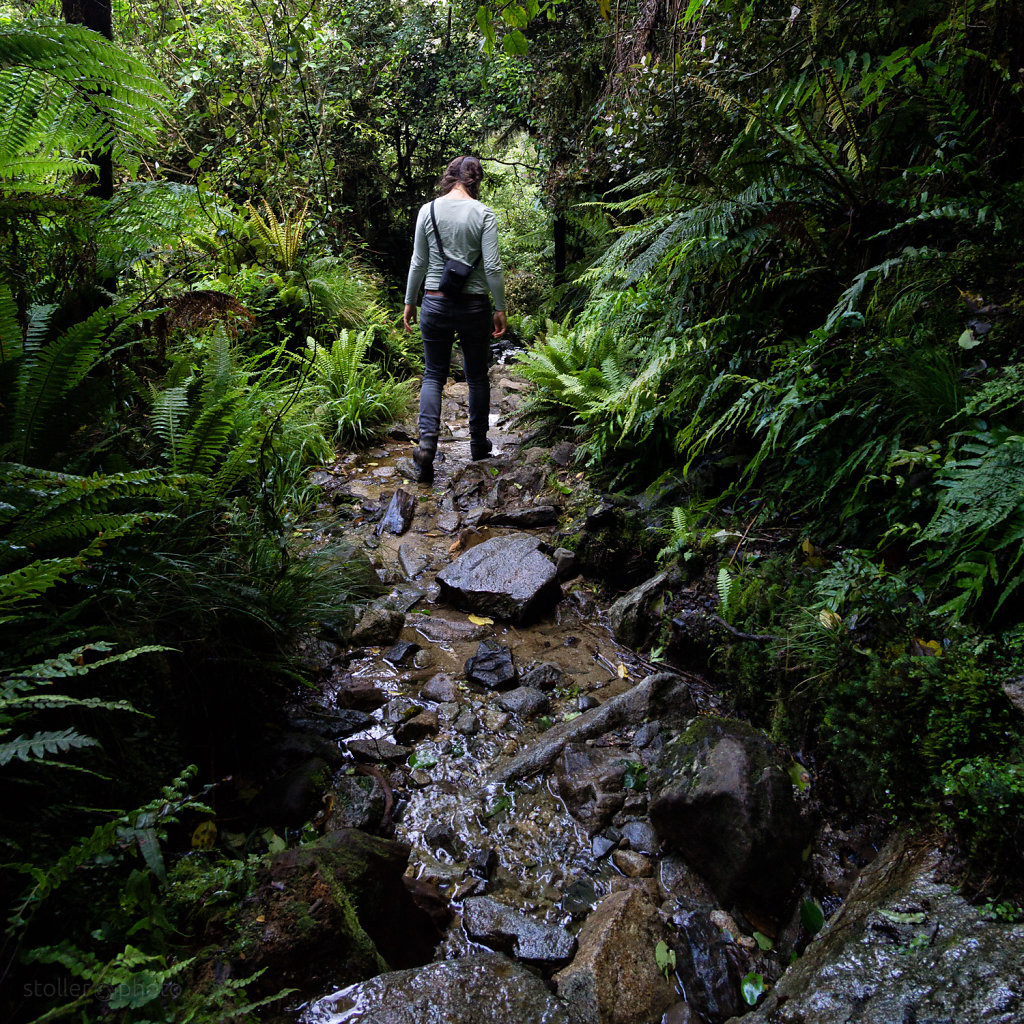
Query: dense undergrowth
809	322
777	253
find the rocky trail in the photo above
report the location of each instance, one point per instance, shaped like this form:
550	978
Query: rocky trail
523	820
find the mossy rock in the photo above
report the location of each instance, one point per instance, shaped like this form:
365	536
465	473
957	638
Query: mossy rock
725	801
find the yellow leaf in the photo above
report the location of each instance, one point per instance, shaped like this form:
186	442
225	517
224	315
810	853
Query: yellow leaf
261	918
829	619
925	648
622	671
481	620
807	547
205	836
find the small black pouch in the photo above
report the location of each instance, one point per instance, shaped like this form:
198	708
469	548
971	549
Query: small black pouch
455	273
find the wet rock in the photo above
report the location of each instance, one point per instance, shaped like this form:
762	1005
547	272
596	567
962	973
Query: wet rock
505	577
412	560
295	744
545	676
419	779
449	522
491	666
580	896
467	724
640	836
634	617
632	864
417	728
360	694
336	907
379	751
710	964
398	517
565	563
524	701
482	861
692	634
904	947
614	978
646	734
601	846
495	721
586	703
662	695
333	725
378	627
682	1013
470	990
358	801
589	780
724	801
503	928
401	654
440	688
440	629
526	518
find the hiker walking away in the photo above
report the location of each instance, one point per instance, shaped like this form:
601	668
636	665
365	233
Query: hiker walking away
455	258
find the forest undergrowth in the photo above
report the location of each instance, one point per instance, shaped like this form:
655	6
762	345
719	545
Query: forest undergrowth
766	265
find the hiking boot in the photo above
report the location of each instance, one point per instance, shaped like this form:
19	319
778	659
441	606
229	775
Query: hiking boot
419	468
480	449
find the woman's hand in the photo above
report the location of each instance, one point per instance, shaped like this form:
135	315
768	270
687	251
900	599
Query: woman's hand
409	316
500	324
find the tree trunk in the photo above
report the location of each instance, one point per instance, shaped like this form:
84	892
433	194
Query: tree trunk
95	15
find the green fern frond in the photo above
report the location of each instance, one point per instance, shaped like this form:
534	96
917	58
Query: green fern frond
41	745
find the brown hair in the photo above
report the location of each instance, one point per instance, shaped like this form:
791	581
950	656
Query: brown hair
465	171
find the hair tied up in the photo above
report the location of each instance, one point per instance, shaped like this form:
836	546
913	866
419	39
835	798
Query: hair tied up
466	171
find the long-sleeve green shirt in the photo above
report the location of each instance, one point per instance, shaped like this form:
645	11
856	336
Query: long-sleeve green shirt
468	229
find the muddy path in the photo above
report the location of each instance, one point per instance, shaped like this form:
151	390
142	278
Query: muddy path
440	739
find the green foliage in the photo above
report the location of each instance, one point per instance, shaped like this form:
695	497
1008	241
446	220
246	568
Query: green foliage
354	401
67	91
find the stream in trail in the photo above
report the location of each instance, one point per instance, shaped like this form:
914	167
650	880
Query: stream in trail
454	819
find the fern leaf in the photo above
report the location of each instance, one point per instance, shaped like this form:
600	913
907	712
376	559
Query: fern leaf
42	744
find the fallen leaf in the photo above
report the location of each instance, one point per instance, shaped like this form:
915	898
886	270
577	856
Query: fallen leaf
622	671
204	836
481	620
829	619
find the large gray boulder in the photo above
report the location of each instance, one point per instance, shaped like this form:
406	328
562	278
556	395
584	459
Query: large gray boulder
505	577
725	801
905	946
470	990
614	978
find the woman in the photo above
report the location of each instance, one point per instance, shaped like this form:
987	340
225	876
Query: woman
469	232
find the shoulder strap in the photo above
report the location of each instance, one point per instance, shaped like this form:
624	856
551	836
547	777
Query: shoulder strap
437	234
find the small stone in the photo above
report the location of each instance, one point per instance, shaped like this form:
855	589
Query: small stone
440	688
449	522
502	927
640	836
360	694
423	659
580	896
632	864
646	734
491	666
467	723
565	563
482	861
585	702
418	727
378	750
402	653
601	846
524	701
419	779
496	720
545	676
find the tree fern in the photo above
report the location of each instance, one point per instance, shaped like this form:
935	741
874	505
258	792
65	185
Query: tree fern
64	90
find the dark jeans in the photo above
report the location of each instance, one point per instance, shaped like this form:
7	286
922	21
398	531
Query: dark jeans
441	320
